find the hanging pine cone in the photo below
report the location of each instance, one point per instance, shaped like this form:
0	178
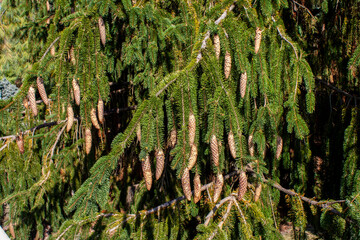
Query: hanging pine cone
185	181
242	185
251	145
192	128
88	140
20	143
26	102
279	146
217	46
193	157
32	100
232	145
160	162
227	65
214	150
173	138
47	6
94	118
76	89
257	192
257	40
243	80
219	182
70	118
72	55
138	132
41	89
100	108
102	31
52	49
197	188
146	168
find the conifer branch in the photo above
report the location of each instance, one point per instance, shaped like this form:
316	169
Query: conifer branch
207	35
282	36
217	206
221	223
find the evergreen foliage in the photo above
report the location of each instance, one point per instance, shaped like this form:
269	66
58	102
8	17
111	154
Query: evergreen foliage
155	66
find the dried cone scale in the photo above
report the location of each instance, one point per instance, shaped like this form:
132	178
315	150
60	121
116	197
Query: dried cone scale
214	150
232	145
251	145
193	156
42	91
257	192
146	168
173	138
32	101
242	185
197	188
279	146
160	161
94	120
88	140
217	46
100	108
219	182
257	40
227	65
20	143
243	81
192	128
102	31
185	181
70	118
76	89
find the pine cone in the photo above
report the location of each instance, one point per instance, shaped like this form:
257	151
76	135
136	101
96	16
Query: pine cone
193	157
100	108
227	65
94	118
243	81
32	100
214	150
197	188
20	143
257	40
173	138
26	102
138	132
242	185
102	31
192	128
42	91
146	168
257	192
251	145
160	162
185	181
279	146
217	46
70	118
72	55
219	182
52	49
88	140
47	6
76	88
232	145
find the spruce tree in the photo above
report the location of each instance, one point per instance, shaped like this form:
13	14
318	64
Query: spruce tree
182	120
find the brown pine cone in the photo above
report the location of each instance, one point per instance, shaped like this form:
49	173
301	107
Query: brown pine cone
193	157
160	162
88	140
146	168
251	145
102	31
100	108
20	143
217	46
93	118
214	150
185	181
227	65
70	118
192	128
219	182
279	146
243	81
242	185
197	188
76	88
32	101
42	91
232	145
257	192
257	40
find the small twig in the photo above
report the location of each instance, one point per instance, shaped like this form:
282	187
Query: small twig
282	36
222	221
48	49
337	89
57	140
212	212
304	8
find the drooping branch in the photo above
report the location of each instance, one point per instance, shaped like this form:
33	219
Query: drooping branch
48	49
283	37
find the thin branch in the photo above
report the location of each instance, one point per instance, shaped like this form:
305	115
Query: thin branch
222	221
218	205
304	8
337	89
48	49
282	36
207	34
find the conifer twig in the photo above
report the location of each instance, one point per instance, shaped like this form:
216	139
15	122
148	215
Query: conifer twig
217	206
221	223
282	36
48	49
